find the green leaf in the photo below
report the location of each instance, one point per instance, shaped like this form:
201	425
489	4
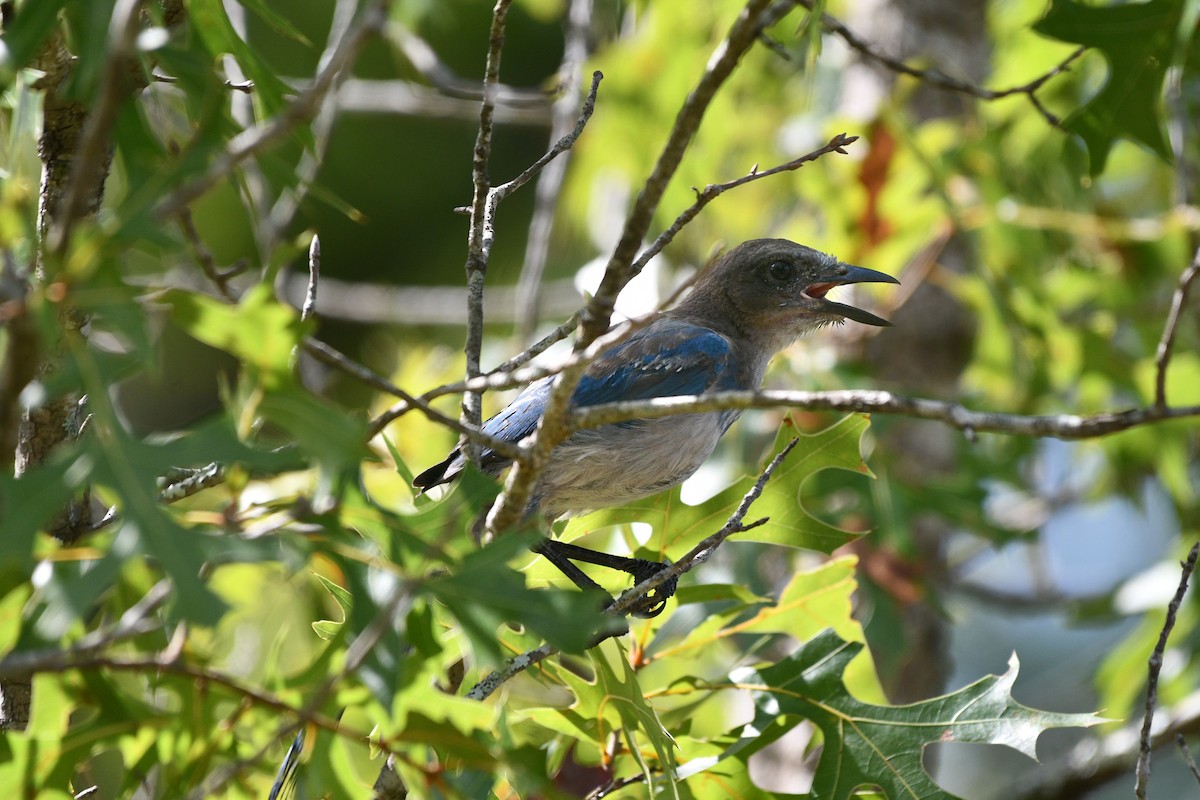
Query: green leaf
483	593
1139	42
812	601
622	691
876	745
326	628
27	503
277	23
258	330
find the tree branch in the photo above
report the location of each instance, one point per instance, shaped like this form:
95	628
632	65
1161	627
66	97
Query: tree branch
1155	667
1163	356
479	241
549	185
940	79
1061	426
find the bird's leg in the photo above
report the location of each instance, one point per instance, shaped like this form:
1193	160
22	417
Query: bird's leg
561	554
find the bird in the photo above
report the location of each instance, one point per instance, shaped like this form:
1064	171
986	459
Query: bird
746	306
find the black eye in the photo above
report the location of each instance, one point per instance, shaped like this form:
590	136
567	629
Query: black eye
780	271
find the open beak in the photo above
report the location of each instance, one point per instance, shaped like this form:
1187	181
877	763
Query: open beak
851	274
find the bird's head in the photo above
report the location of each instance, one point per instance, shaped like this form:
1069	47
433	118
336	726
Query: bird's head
779	288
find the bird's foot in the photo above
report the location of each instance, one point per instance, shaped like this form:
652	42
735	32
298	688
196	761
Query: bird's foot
655	601
561	554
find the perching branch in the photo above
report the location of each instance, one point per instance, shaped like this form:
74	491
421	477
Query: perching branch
1059	426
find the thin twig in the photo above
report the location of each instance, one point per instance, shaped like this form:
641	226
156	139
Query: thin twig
314	276
331	357
713	191
1163	356
1061	426
1182	744
549	184
203	256
704	550
1155	666
479	240
290	197
424	59
254	140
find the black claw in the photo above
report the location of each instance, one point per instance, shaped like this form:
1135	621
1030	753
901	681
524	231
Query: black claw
655	602
561	554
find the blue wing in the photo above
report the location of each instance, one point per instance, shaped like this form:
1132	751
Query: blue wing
666	359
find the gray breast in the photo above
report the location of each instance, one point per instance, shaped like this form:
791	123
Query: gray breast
616	464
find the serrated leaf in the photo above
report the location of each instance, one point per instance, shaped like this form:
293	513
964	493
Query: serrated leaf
867	744
812	601
483	592
1138	41
637	715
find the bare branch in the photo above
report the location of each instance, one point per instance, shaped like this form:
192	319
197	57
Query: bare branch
290	197
713	191
1155	666
314	276
303	108
412	99
704	550
1163	357
479	242
940	79
549	185
1061	426
327	355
